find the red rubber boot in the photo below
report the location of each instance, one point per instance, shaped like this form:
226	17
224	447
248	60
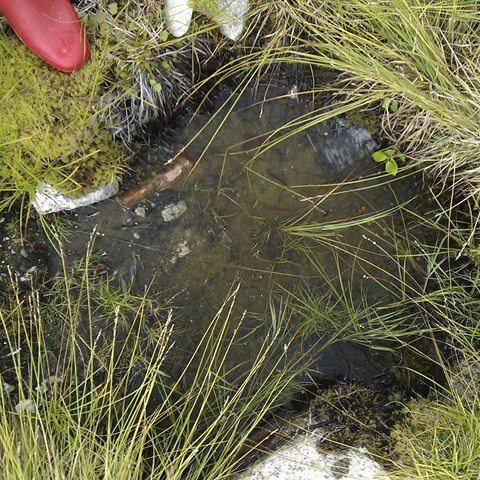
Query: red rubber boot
51	29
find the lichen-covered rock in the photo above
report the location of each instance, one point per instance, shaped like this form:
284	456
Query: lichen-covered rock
466	381
302	460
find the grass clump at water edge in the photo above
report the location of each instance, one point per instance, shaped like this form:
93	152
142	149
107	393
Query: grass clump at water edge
439	436
427	267
412	64
86	393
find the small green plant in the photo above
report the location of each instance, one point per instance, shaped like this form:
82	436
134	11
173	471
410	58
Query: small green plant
390	104
390	158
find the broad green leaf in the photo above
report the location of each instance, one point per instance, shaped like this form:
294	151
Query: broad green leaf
391	167
105	27
113	8
155	85
100	17
389	153
393	106
163	35
379	156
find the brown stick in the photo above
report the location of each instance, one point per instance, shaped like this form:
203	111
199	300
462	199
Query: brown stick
168	177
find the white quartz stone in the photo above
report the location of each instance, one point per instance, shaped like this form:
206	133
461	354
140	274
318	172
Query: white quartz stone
48	199
232	17
302	459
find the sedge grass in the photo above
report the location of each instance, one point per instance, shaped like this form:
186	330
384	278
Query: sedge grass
439	438
424	56
87	394
431	315
412	64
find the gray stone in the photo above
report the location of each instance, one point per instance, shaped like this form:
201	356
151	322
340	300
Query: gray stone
173	211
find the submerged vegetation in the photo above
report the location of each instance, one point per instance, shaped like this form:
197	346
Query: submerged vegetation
85	362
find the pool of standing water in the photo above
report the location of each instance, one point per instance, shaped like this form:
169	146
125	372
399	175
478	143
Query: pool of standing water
227	225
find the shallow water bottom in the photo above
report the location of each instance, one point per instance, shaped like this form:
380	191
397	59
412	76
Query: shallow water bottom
243	217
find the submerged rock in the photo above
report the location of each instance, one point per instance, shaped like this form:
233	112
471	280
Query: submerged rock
173	211
344	146
26	406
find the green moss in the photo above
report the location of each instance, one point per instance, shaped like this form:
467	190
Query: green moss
369	119
438	439
50	129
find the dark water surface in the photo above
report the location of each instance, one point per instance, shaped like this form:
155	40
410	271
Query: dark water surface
231	218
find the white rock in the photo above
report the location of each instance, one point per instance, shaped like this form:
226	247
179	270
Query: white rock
48	199
183	249
141	212
173	211
231	17
26	406
178	15
47	383
7	388
301	459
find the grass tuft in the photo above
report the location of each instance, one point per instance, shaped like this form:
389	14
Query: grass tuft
87	393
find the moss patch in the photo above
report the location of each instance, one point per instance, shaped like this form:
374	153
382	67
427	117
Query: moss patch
50	130
359	416
439	439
